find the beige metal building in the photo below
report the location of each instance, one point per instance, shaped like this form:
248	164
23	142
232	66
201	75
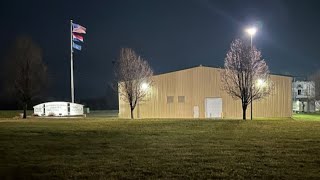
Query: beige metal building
196	93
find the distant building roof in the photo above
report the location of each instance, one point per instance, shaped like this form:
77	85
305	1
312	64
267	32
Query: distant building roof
276	74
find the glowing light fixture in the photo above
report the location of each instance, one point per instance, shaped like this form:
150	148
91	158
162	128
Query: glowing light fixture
261	83
251	31
144	86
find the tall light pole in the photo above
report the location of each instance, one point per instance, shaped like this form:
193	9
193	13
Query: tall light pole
251	31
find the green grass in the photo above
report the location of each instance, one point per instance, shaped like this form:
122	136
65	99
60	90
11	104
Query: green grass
98	148
93	113
13	113
103	113
309	117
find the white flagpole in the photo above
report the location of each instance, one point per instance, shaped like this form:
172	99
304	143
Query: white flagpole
71	67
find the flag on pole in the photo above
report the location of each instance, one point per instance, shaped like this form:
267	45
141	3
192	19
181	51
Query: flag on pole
75	40
76	46
78	28
77	37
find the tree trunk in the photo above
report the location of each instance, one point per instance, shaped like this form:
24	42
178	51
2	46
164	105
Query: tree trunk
131	111
25	106
244	111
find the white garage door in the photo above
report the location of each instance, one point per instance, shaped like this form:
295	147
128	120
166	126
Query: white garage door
213	107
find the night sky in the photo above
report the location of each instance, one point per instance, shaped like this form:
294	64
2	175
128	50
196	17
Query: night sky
170	34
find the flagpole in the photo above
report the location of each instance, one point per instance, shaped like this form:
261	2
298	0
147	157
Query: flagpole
71	66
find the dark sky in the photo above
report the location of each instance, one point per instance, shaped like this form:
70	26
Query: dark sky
170	34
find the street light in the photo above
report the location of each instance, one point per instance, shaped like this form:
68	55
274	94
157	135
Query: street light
261	83
144	86
251	31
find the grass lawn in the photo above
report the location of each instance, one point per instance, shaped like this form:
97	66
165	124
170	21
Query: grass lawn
93	114
103	114
99	148
309	117
13	113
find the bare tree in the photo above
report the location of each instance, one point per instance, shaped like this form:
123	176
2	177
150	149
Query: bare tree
133	76
26	72
316	79
244	72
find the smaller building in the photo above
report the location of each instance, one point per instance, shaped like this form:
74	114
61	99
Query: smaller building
317	105
303	96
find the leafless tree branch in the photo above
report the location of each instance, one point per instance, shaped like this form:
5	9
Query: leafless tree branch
132	72
27	74
245	72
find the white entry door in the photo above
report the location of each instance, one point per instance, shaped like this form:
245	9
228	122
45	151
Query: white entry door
195	111
213	107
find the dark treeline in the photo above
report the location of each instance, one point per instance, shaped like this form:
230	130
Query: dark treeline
108	102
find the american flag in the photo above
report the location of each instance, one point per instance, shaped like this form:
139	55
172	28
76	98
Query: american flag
78	28
77	37
76	46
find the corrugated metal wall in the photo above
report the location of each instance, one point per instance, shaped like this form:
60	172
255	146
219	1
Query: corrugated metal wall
198	83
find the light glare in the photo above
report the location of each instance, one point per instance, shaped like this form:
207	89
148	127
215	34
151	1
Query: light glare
251	31
144	86
261	83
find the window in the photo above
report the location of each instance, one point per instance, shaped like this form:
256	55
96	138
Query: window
299	91
181	99
169	99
